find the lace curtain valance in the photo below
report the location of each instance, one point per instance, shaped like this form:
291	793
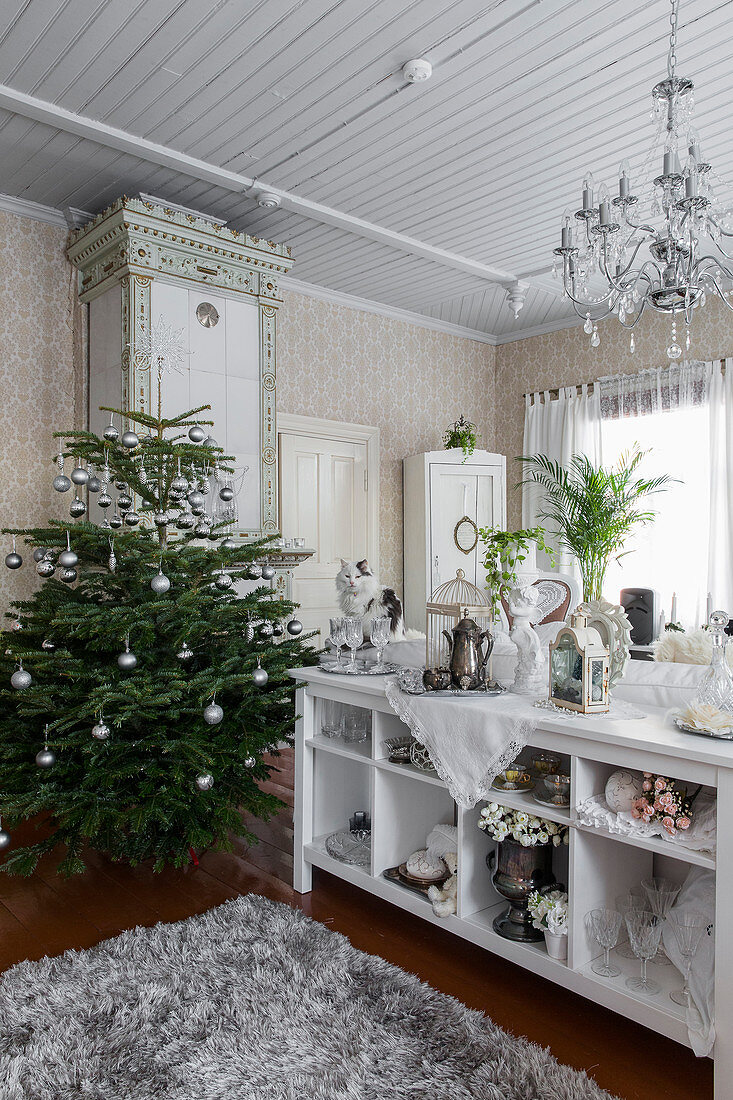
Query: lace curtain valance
677	386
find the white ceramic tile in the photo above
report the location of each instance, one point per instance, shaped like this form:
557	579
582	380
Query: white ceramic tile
207	344
242	339
243	414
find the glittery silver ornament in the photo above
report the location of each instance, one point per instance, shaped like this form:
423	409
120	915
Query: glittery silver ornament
160	583
112	561
196	499
94	485
101	730
68	576
79	475
185	653
4	840
295	627
249	762
201	530
48	645
39	553
127	660
259	676
229	544
268	572
179	484
45	568
185	521
205	782
121	485
265	629
210	442
278	630
115	522
45	758
254	571
160	519
110	433
77	507
61	483
130	440
213	714
104	500
196	433
21	679
223	581
124	503
132	519
226	493
198	509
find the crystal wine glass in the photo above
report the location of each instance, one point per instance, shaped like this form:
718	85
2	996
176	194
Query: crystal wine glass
379	637
623	903
688	929
337	638
604	926
645	930
354	638
661	893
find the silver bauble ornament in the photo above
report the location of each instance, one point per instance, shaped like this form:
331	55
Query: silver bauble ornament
205	782
21	679
45	568
160	583
210	442
115	522
68	559
124	503
229	544
94	485
249	762
61	483
278	630
259	676
110	433
196	434
48	645
127	660
295	627
223	581
160	519
4	840
265	629
185	521
104	500
77	507
101	731
198	509
196	499
213	714
39	553
201	530
254	571
268	572
226	493
79	475
130	440
213	536
185	653
121	485
45	758
179	484
132	519
13	560
68	576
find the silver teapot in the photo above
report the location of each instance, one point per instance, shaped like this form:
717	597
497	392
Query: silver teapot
469	649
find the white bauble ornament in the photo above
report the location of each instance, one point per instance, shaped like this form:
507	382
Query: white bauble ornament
121	485
196	499
124	503
295	627
201	530
101	730
67	557
13	560
226	493
622	788
130	440
115	522
278	630
21	679
104	500
185	653
229	544
205	782
39	554
61	483
179	484
265	629
132	519
213	714
94	485
254	571
210	442
160	519
185	521
127	660
110	433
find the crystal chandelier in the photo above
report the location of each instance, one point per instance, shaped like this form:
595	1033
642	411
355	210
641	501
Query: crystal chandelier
676	218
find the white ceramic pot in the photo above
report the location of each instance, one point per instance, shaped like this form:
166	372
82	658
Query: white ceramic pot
557	946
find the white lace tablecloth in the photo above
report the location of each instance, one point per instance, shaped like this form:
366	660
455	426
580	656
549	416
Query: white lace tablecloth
472	739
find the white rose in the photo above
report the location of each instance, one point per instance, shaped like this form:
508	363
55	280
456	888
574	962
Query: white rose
542	837
525	840
534	823
521	817
556	841
551	827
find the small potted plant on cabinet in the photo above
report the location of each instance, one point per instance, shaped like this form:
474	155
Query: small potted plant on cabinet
463	435
550	915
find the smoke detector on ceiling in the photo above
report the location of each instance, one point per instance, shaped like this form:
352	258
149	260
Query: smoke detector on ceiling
267	200
415	72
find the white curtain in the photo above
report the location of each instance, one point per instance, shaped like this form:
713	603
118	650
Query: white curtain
559	428
720	546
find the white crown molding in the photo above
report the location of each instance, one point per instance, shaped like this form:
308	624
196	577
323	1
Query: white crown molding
537	330
368	305
24	208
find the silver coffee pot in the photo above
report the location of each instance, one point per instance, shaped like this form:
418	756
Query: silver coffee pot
469	648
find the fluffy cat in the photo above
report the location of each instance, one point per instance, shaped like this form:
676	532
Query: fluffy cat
360	593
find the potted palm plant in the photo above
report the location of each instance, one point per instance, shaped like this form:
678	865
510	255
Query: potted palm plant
592	510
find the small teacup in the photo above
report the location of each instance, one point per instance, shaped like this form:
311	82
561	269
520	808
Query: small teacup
544	763
558	787
512	777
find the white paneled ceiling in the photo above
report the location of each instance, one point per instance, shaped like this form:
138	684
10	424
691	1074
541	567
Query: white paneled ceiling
430	198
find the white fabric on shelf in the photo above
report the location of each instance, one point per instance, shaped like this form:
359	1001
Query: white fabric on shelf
594	812
697	893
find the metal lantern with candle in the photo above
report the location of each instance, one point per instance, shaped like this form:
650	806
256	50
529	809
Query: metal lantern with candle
450	602
579	667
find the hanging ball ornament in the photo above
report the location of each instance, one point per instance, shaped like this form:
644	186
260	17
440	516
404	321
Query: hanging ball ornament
278	630
79	475
160	519
127	660
266	629
205	782
94	485
4	840
101	730
130	440
68	576
226	493
185	653
179	484
223	581
268	572
110	433
115	522
196	499
259	676
210	442
196	434
185	521
13	560
132	519
45	758
45	568
77	508
254	571
160	583
249	762
67	557
124	503
213	714
121	485
21	679
201	530
61	483
104	500
229	544
39	553
295	627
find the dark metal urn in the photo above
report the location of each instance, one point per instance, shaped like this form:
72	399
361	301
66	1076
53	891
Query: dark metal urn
517	872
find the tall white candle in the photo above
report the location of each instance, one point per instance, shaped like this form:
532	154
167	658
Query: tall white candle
709	610
674	607
662	624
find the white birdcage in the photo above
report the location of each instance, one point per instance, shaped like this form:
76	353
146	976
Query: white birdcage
449	603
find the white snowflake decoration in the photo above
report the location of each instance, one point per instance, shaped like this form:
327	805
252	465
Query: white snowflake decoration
163	347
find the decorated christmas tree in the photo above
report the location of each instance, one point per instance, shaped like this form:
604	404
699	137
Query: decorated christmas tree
140	690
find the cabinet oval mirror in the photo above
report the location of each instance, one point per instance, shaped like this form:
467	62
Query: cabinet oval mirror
465	535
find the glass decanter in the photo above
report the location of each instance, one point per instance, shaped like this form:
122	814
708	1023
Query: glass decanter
716	686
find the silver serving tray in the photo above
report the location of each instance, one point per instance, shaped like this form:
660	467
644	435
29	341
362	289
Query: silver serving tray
453	693
703	733
364	669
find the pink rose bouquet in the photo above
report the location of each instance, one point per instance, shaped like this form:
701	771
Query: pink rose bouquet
662	800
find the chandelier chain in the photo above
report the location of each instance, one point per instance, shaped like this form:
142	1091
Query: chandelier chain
672	57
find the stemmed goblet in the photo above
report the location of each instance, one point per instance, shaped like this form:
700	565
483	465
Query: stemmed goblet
623	903
662	893
379	637
645	930
354	638
337	638
604	925
688	930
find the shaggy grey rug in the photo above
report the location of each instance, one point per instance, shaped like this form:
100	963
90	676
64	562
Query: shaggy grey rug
253	1001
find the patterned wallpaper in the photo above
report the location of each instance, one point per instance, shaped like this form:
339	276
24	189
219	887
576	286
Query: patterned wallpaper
409	381
39	339
566	358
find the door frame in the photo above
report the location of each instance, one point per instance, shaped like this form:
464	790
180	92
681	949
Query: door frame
320	428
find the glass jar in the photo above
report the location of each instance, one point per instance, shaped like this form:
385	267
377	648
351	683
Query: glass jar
716	686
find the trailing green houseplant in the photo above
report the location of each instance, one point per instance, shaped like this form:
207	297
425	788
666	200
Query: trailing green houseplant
593	509
463	435
504	552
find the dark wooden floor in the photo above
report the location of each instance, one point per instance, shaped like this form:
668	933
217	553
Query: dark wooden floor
46	915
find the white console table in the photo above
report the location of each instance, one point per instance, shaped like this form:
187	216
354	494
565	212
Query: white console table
333	779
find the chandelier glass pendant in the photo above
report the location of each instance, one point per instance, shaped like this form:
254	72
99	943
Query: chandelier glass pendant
663	248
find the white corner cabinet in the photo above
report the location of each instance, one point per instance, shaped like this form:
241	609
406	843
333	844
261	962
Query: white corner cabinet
440	490
333	779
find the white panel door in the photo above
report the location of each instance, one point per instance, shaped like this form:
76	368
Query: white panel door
457	491
323	498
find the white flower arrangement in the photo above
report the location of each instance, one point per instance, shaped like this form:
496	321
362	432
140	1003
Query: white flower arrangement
502	823
549	911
